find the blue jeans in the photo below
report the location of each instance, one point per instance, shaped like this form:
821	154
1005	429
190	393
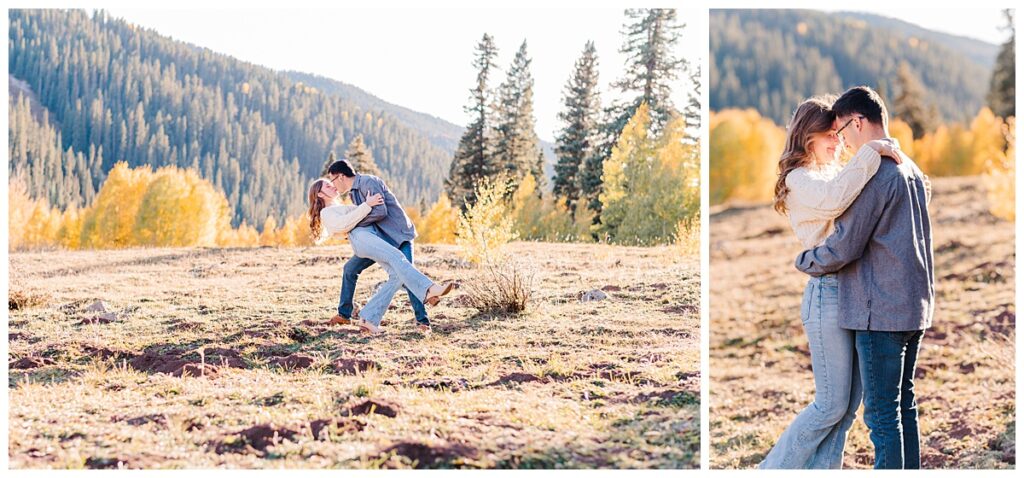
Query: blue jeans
367	244
355	266
817	436
887	363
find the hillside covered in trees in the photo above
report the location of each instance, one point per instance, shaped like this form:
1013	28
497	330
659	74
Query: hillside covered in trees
770	60
101	90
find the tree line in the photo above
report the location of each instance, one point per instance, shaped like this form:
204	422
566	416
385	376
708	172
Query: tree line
770	60
500	139
117	92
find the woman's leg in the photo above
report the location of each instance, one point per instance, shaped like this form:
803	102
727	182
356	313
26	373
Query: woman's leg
365	243
373	311
832	367
830	452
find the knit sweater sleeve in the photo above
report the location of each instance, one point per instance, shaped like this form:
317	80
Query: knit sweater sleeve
828	198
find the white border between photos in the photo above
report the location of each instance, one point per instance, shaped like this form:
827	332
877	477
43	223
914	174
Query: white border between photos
705	211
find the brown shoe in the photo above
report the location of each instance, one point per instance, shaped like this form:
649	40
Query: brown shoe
423	328
339	320
447	287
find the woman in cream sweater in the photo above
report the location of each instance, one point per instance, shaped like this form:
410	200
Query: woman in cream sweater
814	189
328	217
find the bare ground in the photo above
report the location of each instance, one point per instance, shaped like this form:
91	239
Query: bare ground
760	364
221	358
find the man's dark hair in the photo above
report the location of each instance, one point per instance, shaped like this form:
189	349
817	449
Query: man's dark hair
342	167
862	100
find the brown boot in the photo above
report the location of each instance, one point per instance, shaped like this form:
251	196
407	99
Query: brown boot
339	320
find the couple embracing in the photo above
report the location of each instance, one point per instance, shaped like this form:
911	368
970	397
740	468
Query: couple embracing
868	241
380	232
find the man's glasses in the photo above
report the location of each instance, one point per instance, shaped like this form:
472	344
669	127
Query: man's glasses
840	130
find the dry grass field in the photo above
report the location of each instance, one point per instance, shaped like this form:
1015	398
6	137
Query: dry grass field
760	365
221	358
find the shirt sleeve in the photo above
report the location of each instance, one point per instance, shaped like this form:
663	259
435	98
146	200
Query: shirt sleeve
828	198
853	231
378	212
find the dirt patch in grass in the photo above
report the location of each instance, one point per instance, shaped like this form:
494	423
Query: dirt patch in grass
352	366
26	363
156	360
20	300
342	425
421	455
375	407
257	438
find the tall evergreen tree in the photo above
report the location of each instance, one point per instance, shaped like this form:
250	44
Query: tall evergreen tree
908	102
651	69
472	161
361	157
578	140
518	150
331	158
691	113
1002	90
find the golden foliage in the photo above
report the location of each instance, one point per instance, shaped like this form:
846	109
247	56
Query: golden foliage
650	184
999	179
744	154
110	221
745	148
439	224
486	226
538	218
180	208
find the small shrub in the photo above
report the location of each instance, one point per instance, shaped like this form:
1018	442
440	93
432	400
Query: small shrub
688	237
501	288
486	226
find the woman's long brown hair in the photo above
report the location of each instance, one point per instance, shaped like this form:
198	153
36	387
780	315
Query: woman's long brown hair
316	204
813	116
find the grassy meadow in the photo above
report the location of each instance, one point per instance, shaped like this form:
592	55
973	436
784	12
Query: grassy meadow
760	370
222	358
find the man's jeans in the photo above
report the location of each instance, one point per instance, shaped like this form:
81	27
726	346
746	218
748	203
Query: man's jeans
355	266
887	362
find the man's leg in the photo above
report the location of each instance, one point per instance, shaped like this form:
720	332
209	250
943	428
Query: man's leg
417	305
881	367
908	404
354	267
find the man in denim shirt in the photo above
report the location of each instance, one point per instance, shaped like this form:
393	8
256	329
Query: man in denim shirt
881	251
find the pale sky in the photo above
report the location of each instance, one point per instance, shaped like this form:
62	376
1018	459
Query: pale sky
979	23
420	58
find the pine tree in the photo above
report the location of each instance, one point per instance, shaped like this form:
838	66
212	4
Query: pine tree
578	140
691	113
331	158
518	150
1002	90
472	161
361	157
908	102
651	70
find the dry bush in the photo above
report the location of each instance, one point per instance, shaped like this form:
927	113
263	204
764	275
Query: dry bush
501	288
688	236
